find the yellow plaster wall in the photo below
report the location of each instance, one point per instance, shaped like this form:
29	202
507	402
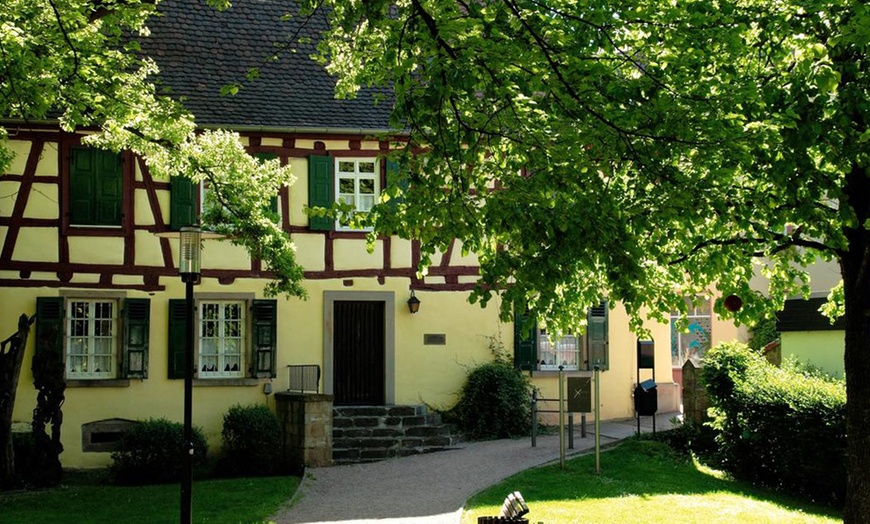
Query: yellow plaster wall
824	349
400	252
309	251
331	145
352	254
433	374
220	254
36	244
96	250
21	149
142	208
299	191
43	202
148	250
8	204
458	260
48	161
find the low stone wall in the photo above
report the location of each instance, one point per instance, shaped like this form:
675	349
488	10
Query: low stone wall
695	401
307	423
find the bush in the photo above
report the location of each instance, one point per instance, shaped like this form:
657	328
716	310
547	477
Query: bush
251	442
494	402
151	451
781	428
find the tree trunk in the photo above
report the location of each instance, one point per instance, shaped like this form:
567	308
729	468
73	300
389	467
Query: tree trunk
855	269
857	366
10	370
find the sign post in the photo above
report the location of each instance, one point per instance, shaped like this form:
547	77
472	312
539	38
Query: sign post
597	419
561	417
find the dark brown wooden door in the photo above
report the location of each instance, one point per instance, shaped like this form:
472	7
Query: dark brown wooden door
358	353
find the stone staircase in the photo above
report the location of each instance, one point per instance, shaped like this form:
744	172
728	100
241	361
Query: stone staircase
372	433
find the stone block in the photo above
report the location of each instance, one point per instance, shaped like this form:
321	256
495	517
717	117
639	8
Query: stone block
406	411
426	431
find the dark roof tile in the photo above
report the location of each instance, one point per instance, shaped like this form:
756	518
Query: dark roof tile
199	50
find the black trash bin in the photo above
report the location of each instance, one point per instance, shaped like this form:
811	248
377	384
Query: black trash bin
646	398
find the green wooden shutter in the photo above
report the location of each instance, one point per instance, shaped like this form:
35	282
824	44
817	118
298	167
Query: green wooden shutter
396	176
596	336
49	324
182	202
273	203
321	191
82	185
137	316
177	336
109	191
265	324
525	343
95	187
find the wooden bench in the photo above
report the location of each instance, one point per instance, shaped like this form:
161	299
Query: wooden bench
512	511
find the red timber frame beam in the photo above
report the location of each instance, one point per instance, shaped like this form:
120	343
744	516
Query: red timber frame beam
151	274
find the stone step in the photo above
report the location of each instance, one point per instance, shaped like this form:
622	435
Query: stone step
372	433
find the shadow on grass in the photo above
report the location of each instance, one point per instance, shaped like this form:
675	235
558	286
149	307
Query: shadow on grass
84	498
638	471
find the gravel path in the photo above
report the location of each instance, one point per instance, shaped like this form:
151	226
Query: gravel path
431	488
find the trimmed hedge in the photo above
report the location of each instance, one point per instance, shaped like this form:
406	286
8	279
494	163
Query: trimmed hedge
251	442
495	402
151	452
777	427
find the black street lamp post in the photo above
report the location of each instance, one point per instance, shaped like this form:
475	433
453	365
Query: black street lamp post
189	269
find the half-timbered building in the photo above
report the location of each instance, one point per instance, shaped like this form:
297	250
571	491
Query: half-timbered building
80	247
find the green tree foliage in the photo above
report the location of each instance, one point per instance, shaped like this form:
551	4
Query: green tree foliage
780	427
762	333
637	150
79	61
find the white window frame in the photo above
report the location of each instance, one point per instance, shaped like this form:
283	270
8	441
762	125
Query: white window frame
552	354
357	176
214	364
87	331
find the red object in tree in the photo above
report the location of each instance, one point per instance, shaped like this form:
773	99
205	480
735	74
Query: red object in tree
733	303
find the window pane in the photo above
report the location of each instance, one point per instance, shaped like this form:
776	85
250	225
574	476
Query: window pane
233	329
103	346
210	311
366	203
346	199
346	185
208	347
366	167
233	311
367	186
346	166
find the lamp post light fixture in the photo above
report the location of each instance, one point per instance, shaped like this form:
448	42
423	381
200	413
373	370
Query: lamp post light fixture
189	269
413	303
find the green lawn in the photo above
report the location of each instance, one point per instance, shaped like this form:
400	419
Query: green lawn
642	481
226	501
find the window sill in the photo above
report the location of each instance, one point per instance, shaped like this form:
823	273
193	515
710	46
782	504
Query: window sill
554	374
98	383
225	382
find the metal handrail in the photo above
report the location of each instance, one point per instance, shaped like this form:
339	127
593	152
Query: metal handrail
304	378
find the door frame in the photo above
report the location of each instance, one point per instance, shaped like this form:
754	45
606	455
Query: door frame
389	300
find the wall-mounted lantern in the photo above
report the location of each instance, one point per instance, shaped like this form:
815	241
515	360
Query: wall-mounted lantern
413	303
